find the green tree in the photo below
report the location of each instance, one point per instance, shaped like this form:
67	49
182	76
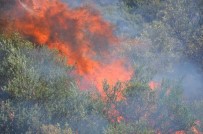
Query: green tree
40	90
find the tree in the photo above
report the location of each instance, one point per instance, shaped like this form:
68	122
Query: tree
40	90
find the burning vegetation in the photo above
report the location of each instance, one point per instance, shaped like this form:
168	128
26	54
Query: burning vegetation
100	67
81	35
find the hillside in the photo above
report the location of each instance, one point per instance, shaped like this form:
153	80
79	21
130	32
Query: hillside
109	67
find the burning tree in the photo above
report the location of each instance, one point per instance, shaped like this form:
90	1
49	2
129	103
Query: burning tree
79	34
71	77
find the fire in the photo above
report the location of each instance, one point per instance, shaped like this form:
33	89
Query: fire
79	34
153	85
195	130
180	132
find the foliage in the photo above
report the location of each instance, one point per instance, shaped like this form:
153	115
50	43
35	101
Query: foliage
51	129
38	92
181	22
172	113
130	128
39	87
146	8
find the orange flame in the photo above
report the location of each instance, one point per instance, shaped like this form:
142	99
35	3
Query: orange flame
114	115
195	130
80	34
153	85
180	132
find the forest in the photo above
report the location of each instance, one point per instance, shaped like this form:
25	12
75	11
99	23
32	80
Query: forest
101	66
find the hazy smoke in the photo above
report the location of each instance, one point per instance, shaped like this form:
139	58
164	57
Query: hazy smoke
102	40
80	34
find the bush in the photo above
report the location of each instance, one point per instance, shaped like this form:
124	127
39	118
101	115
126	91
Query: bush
40	87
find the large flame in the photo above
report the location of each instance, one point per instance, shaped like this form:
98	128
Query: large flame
80	34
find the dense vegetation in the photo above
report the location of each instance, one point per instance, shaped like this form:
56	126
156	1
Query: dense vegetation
39	93
172	26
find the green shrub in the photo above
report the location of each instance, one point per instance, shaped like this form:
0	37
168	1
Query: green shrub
40	87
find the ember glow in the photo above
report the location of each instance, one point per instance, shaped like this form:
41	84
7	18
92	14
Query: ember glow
153	85
79	34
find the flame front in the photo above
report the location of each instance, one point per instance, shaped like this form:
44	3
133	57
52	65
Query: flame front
80	34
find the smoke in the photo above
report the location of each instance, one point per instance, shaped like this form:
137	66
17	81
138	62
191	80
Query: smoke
191	79
80	34
155	41
109	50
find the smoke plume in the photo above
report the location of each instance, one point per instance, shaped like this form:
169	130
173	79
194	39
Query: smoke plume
80	34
